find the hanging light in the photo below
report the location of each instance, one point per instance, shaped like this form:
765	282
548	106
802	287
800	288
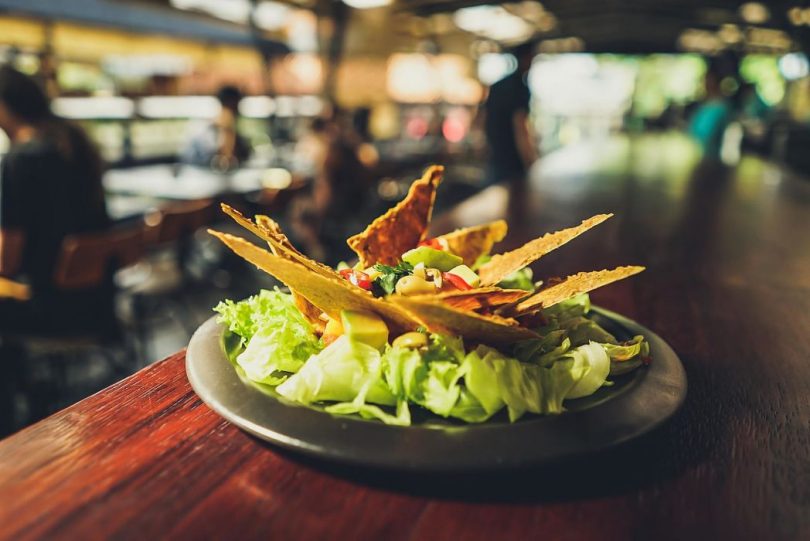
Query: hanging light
754	13
366	4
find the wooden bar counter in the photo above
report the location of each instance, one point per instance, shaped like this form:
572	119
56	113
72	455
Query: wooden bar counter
727	285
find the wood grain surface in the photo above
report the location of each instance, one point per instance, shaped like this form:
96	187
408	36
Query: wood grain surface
727	285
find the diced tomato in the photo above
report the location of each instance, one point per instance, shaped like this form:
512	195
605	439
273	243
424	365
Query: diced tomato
433	243
457	281
358	278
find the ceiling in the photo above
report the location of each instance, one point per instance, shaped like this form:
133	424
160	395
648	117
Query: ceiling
618	26
635	26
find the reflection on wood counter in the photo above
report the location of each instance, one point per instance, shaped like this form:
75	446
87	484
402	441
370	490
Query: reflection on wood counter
727	285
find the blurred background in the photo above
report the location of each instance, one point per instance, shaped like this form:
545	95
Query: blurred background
320	114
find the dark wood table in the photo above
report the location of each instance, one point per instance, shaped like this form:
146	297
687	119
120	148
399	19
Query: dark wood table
727	285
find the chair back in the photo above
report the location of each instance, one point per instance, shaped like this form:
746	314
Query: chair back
89	259
179	220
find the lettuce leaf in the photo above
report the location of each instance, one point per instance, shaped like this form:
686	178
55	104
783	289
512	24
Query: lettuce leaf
469	409
520	279
264	310
442	347
581	330
345	371
558	380
627	356
431	378
441	389
370	411
478	379
594	361
273	344
275	352
578	305
278	337
628	350
543	351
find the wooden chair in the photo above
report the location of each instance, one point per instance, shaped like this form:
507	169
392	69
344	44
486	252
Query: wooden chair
86	263
175	222
87	260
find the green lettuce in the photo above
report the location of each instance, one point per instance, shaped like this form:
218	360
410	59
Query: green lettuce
520	279
277	337
576	306
272	343
558	380
370	411
542	351
469	409
628	350
521	387
441	388
431	379
442	347
405	371
580	330
595	363
342	372
355	376
627	356
479	377
266	309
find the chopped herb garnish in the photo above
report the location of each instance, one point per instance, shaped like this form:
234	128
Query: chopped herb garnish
386	282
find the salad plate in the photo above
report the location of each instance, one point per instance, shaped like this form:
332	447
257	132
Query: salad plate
636	403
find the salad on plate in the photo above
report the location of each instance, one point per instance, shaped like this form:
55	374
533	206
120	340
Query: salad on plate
437	325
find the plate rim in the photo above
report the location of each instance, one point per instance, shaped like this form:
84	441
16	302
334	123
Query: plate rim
665	374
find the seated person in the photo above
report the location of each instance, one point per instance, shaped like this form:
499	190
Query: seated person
341	185
50	187
218	144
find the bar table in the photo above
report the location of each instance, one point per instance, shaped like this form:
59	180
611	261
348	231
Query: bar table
727	285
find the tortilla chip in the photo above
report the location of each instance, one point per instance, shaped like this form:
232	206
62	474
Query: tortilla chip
502	265
572	286
328	294
269	231
471	243
402	227
280	245
441	318
479	298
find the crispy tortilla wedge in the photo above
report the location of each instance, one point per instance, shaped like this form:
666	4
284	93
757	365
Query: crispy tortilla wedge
471	243
582	282
439	317
502	265
269	231
480	298
280	245
402	227
331	295
284	248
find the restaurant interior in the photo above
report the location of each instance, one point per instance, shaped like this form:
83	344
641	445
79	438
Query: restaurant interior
257	103
428	376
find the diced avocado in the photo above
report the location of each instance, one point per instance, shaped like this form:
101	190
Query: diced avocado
466	273
432	258
333	327
364	327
